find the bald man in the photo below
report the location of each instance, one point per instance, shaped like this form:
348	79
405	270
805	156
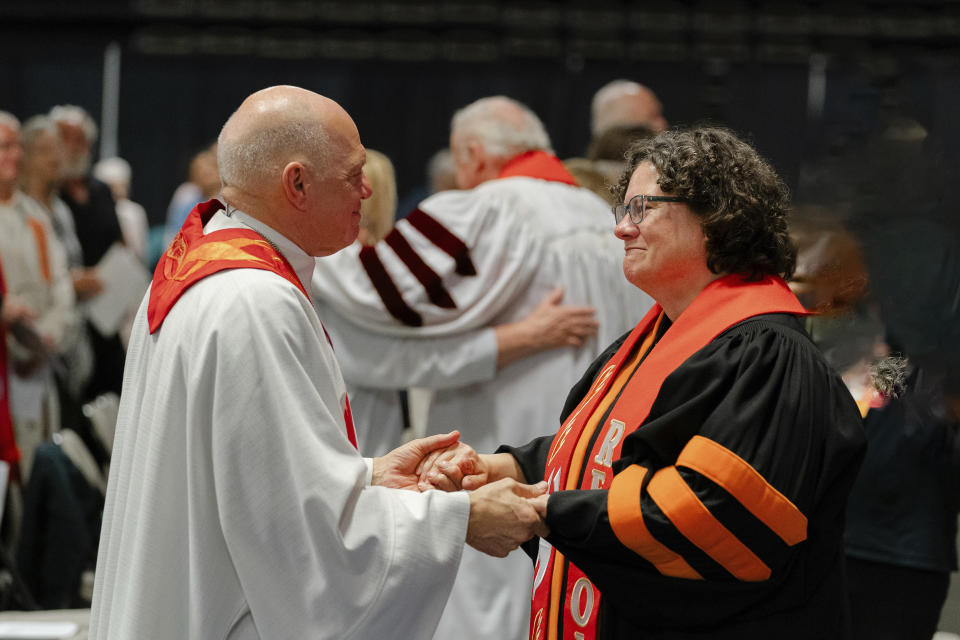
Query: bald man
238	506
624	103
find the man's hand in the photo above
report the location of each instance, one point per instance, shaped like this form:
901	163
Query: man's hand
549	326
554	325
502	516
398	469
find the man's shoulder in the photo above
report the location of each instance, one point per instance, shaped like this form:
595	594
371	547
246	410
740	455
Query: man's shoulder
234	297
20	208
523	196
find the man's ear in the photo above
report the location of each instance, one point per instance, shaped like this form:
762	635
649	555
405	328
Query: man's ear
477	155
293	181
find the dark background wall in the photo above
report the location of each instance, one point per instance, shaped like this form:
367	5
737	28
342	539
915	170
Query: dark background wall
402	68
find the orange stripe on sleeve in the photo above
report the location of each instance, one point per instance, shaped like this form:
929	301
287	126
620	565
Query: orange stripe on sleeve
691	518
40	238
626	520
745	483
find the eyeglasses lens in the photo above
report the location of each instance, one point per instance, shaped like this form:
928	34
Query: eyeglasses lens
636	210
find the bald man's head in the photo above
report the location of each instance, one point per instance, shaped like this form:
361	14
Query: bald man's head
293	159
624	103
272	128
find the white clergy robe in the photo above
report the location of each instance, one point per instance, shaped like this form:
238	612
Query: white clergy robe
523	236
236	507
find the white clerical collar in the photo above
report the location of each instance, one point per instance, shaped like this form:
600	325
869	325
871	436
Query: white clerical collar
301	262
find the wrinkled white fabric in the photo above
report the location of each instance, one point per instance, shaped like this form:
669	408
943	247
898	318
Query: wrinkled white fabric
236	506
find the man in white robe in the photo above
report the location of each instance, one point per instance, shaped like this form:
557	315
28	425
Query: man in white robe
238	506
485	255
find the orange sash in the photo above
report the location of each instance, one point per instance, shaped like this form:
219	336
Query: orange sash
193	256
722	304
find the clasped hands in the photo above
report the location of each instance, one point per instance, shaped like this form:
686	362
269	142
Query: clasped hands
504	511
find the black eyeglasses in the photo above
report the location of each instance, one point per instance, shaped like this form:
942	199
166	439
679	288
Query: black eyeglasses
637	207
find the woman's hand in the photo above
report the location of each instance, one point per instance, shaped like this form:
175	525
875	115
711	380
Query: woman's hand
448	468
461	467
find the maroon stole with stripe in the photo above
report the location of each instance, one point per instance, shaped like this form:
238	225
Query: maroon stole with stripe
532	164
722	304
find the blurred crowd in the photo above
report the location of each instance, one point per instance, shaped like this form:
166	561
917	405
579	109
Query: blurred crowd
874	220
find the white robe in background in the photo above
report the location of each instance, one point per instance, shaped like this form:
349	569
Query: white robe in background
236	506
377	367
36	277
524	236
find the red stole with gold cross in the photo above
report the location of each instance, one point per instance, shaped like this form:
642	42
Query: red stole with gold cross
193	256
722	304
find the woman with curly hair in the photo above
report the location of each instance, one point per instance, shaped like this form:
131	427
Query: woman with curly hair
699	478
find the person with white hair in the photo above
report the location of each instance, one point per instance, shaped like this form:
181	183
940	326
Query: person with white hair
238	506
35	270
10	312
97	229
485	254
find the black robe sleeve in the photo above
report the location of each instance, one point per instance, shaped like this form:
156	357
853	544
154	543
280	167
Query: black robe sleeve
532	457
762	392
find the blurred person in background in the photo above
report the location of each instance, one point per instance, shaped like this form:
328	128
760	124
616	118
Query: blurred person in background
377	212
604	163
115	173
203	183
441	176
97	229
887	286
625	103
36	278
10	312
622	112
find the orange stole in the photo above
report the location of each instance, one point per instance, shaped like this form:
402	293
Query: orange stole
193	256
722	304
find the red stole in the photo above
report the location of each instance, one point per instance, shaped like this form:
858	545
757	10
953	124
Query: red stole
537	164
722	304
193	256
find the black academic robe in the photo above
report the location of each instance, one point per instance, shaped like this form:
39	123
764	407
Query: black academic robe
763	391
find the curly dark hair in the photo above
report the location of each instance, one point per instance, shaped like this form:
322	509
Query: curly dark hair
741	202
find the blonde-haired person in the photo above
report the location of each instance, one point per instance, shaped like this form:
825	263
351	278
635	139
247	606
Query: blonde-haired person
378	212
